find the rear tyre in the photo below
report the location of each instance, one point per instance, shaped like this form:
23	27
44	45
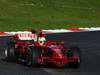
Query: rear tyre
10	53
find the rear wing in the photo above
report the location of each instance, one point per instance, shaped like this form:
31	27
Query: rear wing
26	36
23	35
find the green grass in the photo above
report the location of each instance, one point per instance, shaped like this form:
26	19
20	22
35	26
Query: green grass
18	15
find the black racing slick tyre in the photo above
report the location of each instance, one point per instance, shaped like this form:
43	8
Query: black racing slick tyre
31	57
10	53
72	52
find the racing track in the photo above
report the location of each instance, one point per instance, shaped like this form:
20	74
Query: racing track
89	42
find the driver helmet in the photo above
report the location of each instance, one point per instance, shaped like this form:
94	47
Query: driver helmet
41	38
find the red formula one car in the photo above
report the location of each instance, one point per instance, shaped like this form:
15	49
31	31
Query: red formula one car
35	50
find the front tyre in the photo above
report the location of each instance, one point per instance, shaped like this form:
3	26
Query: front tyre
31	57
75	56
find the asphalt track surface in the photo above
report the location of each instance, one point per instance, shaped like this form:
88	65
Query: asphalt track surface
89	43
